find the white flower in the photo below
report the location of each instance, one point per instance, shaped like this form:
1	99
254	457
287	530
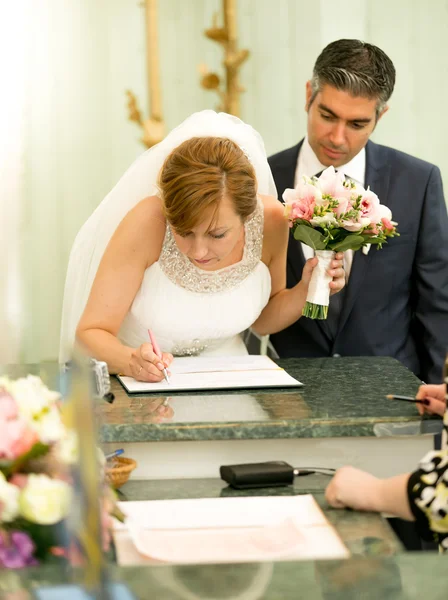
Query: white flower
67	448
384	212
49	426
9	500
44	500
32	396
326	219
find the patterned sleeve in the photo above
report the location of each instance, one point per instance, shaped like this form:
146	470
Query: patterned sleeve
428	496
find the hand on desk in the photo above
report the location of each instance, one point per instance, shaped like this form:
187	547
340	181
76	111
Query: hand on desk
353	488
146	366
436	395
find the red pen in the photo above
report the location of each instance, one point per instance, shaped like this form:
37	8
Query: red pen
155	347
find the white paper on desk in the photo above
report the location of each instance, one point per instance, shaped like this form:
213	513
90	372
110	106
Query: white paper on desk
215	373
226	530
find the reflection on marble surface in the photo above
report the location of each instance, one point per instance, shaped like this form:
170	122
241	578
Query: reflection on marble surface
340	397
205	408
401	577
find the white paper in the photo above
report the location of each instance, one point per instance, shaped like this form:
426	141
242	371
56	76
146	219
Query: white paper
214	373
225	530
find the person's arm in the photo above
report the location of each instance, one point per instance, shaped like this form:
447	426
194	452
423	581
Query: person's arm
134	246
352	488
431	281
285	305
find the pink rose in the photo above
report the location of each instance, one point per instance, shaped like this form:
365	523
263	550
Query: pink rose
300	206
8	406
16	438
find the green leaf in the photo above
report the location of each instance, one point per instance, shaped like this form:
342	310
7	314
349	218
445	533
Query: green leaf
310	237
351	242
374	240
8	467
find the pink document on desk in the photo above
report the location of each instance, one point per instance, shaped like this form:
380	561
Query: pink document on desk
220	530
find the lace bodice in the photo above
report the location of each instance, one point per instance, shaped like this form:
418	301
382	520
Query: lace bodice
185	274
193	311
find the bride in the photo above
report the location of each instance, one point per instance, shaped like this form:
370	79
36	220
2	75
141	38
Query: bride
191	243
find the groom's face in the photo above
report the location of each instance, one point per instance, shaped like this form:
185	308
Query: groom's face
339	124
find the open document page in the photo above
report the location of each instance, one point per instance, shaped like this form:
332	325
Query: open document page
216	373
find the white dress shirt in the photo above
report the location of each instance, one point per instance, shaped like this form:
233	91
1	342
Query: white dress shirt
308	164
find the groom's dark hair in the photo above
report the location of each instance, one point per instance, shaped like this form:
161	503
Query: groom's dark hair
355	67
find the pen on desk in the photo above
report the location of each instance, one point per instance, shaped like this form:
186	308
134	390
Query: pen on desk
155	347
114	454
408	399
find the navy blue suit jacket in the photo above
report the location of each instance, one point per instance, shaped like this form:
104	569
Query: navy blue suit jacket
396	302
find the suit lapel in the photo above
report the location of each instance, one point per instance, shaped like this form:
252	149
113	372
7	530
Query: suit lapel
377	177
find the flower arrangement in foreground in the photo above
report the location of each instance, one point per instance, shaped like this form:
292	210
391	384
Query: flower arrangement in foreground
331	214
36	451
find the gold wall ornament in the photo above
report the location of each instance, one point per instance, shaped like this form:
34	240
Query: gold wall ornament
230	89
154	127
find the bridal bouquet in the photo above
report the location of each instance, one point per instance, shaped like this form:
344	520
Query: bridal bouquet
331	214
36	451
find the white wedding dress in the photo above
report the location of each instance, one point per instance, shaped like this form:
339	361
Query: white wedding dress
190	311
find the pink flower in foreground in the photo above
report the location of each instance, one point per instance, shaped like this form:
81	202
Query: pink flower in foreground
16	438
8	406
343	206
352	225
331	183
299	207
387	224
370	206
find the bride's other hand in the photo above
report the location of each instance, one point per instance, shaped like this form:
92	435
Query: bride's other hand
336	271
146	366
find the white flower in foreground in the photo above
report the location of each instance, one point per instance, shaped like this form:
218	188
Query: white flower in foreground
44	500
326	219
32	396
9	500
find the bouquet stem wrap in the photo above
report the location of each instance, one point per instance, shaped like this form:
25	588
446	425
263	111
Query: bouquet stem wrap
318	297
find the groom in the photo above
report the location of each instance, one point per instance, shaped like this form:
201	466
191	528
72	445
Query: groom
396	299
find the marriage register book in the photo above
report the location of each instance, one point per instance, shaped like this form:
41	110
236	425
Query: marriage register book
216	373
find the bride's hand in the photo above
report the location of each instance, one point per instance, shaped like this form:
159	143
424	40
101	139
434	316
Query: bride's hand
145	365
336	271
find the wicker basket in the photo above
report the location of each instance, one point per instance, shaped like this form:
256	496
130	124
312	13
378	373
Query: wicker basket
119	473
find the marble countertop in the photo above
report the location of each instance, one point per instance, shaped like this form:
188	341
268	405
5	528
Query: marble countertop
410	576
376	569
340	397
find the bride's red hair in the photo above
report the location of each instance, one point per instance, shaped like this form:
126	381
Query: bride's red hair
196	176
